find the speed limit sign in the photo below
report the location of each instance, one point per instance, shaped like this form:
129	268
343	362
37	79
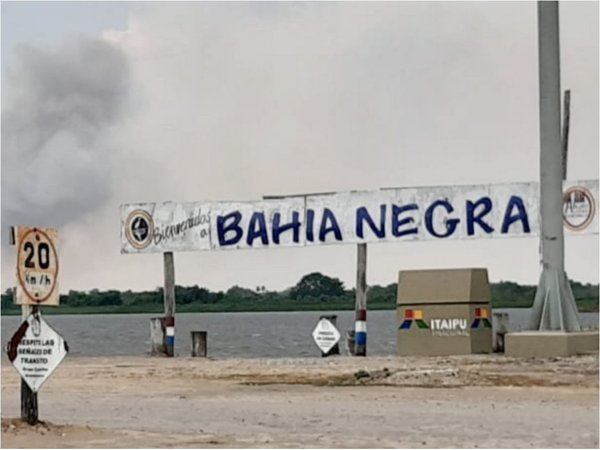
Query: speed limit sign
37	266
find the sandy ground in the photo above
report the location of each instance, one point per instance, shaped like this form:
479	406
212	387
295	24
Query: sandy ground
471	401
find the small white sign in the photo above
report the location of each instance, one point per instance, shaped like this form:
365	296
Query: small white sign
326	335
36	350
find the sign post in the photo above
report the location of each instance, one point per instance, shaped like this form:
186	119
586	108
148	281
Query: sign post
29	400
398	214
35	350
37	266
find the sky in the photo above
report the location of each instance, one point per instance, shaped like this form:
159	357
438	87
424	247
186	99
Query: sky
107	103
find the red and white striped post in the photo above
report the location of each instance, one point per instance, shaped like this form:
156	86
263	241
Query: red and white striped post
169	300
360	325
170	335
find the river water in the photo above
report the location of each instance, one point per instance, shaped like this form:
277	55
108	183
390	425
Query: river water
253	335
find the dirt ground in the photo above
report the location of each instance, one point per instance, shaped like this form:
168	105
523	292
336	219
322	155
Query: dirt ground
374	402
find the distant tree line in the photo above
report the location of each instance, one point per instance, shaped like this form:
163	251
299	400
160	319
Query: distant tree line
312	290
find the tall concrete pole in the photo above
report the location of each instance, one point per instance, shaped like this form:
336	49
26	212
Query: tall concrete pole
550	126
554	306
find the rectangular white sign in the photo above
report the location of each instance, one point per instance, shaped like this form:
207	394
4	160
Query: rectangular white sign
389	215
165	227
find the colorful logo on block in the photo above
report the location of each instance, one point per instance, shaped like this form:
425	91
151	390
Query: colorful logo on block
413	315
481	317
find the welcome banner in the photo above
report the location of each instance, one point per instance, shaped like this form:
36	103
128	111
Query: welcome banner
389	215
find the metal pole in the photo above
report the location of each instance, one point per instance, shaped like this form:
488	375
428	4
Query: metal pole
360	326
554	306
169	300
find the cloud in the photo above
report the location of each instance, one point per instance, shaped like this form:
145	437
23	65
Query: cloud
231	101
339	93
59	107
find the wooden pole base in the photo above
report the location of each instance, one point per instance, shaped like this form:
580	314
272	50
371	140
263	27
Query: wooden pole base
29	400
29	404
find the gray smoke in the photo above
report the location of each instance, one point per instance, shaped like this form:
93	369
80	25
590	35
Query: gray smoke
59	107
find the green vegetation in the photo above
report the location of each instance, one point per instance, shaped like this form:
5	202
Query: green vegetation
507	294
313	292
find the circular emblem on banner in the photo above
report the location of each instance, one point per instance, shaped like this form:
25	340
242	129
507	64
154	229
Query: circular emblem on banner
579	208
139	228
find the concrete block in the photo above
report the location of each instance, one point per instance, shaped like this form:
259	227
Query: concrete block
444	312
546	344
418	287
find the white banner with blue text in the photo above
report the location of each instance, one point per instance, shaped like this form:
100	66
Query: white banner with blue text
387	215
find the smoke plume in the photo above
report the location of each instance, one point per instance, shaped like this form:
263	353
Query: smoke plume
59	107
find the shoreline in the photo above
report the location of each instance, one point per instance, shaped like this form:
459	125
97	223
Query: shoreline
182	309
488	401
57	312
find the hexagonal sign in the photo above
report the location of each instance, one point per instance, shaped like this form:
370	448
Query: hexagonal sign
36	350
326	335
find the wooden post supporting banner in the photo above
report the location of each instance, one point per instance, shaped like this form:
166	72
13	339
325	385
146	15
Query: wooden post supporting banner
360	325
169	299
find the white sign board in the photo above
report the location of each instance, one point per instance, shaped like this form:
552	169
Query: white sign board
35	350
37	266
389	215
161	227
326	335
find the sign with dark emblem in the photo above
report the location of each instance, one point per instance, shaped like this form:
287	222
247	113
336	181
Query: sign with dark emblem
139	229
579	208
